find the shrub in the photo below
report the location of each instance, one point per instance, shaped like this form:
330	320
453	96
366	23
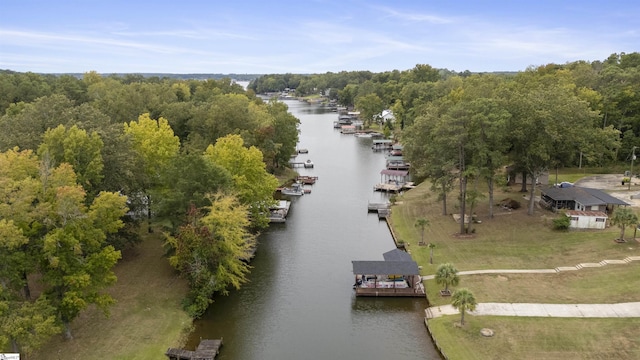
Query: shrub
562	222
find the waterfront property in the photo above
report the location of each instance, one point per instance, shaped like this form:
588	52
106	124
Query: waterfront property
207	350
396	275
382	144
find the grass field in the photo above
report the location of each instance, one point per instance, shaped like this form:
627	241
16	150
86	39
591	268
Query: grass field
515	240
146	320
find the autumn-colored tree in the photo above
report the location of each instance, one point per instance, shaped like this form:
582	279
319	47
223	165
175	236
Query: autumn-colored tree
210	251
252	183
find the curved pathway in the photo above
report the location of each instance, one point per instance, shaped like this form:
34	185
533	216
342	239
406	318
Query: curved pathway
631	309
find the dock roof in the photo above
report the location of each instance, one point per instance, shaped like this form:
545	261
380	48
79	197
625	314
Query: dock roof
394	172
397	255
382	141
384	267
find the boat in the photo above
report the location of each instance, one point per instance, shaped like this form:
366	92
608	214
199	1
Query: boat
363	135
303	151
308	164
307	180
296	189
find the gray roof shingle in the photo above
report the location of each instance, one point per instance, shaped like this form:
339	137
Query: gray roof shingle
585	196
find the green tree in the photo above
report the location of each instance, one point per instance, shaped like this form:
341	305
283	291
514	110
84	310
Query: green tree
77	148
253	184
209	251
285	133
76	264
431	246
369	105
623	217
463	300
154	141
447	275
421	224
187	181
156	146
24	124
26	325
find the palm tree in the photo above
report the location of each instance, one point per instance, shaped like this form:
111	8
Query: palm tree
431	246
463	300
623	217
422	223
447	275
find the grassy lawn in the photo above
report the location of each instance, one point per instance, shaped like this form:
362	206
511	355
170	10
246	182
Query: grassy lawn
146	320
515	240
527	338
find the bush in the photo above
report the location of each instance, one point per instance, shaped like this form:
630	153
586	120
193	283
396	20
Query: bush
562	222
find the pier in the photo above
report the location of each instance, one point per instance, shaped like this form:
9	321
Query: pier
207	350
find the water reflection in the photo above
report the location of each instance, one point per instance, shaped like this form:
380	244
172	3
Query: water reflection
299	303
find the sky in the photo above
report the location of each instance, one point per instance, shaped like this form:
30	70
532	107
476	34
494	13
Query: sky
307	36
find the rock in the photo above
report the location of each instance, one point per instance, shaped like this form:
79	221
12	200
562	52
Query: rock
486	332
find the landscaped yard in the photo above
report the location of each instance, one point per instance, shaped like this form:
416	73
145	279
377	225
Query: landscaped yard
515	240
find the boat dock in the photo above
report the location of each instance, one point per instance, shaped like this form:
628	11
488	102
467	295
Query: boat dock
373	207
307	180
278	213
207	350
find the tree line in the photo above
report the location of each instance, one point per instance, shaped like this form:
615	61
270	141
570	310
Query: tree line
459	129
85	160
86	163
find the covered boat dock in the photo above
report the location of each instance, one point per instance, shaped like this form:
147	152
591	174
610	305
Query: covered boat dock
396	275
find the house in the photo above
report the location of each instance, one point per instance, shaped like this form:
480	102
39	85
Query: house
396	275
587	219
579	199
384	116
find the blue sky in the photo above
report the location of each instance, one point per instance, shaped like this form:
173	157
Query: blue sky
234	36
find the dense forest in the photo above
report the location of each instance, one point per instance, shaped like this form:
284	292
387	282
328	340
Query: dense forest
87	162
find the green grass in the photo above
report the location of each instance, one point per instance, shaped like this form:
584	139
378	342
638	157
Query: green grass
537	338
146	320
515	240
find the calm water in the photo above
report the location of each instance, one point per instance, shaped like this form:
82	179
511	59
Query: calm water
299	303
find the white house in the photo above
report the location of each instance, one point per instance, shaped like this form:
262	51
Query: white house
587	219
384	116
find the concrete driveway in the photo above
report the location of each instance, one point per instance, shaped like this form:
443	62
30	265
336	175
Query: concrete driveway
612	184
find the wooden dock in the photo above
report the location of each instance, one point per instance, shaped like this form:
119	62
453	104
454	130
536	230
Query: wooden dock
383	214
307	180
388	187
206	350
373	207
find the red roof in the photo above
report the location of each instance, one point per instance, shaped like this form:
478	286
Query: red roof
586	213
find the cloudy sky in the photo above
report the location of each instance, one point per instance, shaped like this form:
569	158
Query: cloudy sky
309	36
